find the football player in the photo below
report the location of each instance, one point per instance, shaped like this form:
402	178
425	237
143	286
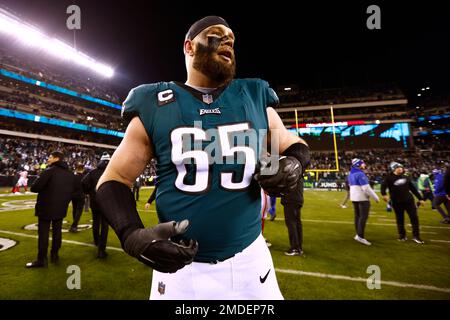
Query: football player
208	244
23	180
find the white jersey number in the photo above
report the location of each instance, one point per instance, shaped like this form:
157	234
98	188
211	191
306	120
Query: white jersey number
202	173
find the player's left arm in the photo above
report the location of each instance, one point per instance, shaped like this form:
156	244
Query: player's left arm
292	163
289	145
279	132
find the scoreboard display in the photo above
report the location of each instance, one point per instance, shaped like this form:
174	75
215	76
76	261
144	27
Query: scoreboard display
356	136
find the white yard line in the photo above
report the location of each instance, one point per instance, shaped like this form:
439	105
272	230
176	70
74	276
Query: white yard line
369	223
66	241
358	279
343	222
287	271
443	241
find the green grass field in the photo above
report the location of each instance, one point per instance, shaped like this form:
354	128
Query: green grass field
335	266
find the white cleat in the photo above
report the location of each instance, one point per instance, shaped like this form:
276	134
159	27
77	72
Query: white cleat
343	206
362	240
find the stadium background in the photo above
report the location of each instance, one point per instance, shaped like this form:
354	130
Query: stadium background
390	101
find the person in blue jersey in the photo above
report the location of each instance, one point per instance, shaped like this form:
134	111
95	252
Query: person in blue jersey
273	208
440	196
208	136
360	194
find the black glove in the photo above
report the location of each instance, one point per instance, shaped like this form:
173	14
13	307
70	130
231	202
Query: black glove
151	246
284	180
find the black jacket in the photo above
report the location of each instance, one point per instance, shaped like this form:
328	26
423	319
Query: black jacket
447	181
399	188
55	187
294	198
78	193
89	182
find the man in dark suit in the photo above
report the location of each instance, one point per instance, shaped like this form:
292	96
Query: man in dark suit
78	198
137	187
293	203
99	225
55	187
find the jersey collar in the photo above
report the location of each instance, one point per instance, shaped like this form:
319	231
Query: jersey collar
207	98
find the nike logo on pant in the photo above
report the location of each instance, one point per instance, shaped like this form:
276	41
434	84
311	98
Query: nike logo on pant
261	279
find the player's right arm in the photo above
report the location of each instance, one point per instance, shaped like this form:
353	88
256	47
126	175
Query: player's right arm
131	157
151	246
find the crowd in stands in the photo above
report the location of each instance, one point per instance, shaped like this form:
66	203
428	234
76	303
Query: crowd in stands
426	156
390	112
16	153
42	92
364	113
56	71
340	95
60	132
33	98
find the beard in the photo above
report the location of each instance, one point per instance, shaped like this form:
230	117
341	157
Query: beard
218	71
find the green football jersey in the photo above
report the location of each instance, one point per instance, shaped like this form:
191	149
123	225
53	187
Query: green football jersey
207	148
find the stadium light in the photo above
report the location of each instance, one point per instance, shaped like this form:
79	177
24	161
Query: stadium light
287	89
423	89
418	94
428	88
29	35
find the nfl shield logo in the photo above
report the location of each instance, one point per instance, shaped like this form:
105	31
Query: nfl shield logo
207	98
161	288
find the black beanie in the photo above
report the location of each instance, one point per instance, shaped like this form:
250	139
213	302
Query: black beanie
202	24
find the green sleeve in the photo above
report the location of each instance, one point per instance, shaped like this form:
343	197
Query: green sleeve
270	97
140	102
